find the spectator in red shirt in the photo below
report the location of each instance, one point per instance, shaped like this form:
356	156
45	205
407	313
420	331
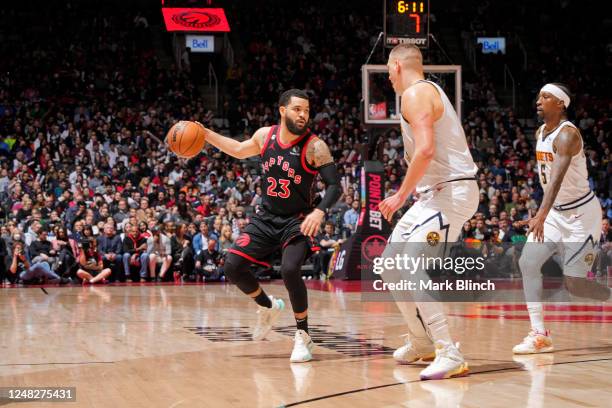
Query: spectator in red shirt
91	268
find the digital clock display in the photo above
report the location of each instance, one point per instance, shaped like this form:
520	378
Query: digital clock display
407	22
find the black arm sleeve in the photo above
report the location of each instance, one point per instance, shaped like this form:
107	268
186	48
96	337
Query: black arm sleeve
333	191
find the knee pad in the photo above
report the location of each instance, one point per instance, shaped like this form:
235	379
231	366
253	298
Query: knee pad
236	269
526	264
291	274
534	255
232	264
530	266
291	270
298	295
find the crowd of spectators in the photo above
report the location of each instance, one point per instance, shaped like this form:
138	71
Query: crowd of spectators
538	53
322	61
89	192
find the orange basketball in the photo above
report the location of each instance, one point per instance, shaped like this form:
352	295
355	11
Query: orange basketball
186	139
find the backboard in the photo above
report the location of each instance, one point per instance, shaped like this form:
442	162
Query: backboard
382	105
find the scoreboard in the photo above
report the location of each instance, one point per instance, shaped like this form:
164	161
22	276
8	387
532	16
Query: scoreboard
406	22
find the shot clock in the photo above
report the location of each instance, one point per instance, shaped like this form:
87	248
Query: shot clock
407	22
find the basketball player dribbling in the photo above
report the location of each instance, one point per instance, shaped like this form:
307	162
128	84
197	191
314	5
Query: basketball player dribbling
291	159
567	223
442	171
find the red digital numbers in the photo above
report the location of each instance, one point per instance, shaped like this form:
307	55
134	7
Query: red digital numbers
417	21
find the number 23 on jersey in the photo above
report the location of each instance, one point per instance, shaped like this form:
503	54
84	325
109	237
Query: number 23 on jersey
283	185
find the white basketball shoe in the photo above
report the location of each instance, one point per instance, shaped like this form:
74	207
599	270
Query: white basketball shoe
449	362
414	350
534	343
302	347
266	317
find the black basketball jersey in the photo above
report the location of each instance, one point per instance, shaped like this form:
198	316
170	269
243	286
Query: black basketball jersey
287	176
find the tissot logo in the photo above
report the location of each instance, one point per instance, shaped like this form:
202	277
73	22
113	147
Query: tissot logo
196	19
415	41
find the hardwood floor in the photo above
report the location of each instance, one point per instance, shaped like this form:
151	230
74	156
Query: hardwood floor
190	346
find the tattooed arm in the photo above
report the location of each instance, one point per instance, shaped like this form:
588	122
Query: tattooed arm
319	156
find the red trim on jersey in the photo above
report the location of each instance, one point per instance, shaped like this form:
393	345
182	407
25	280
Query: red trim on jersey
265	146
248	257
296	141
305	163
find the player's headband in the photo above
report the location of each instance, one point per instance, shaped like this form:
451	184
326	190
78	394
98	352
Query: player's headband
558	92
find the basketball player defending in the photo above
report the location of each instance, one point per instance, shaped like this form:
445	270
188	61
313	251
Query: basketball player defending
569	220
291	159
441	169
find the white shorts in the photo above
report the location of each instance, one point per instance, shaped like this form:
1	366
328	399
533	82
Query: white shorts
435	219
573	235
439	214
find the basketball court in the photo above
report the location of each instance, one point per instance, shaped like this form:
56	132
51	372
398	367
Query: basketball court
190	346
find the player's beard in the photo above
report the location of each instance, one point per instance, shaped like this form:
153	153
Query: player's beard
294	128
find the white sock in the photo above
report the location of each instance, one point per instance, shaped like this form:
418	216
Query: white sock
416	331
434	318
536	316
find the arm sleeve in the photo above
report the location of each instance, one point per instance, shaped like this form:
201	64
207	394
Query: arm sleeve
333	191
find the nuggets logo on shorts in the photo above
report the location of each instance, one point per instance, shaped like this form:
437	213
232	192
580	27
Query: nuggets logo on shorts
243	240
433	238
589	258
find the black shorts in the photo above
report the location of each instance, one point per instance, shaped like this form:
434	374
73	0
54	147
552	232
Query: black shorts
267	233
91	272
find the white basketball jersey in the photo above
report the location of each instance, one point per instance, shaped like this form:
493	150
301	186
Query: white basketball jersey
575	184
452	158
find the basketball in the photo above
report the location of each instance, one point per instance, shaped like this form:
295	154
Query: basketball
186	139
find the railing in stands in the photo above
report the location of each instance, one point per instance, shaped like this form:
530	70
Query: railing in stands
523	50
228	51
213	83
177	50
469	45
508	74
